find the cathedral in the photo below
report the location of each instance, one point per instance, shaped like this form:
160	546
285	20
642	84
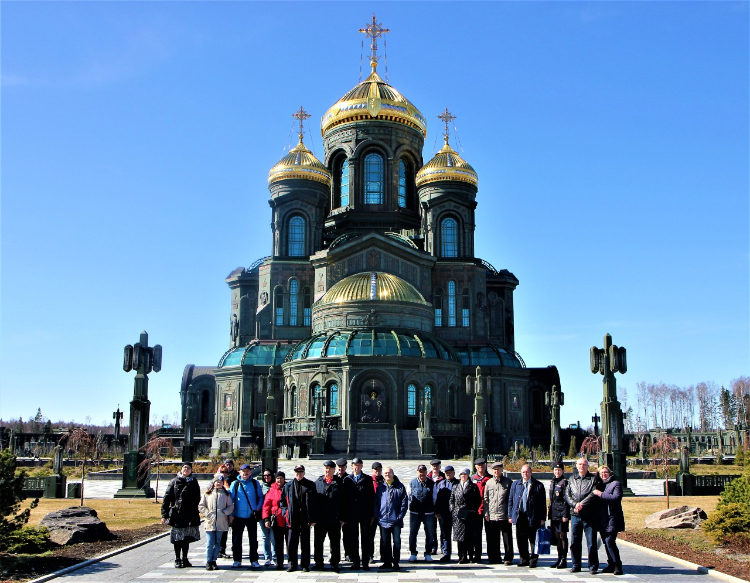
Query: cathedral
372	308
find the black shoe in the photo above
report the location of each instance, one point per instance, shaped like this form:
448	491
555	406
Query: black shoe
178	563
186	563
335	568
563	564
279	567
317	567
593	570
365	567
385	566
617	571
575	570
396	567
223	555
444	559
555	564
209	567
532	564
609	569
354	566
305	569
292	569
523	564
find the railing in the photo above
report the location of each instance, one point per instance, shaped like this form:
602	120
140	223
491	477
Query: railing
295	426
395	431
448	427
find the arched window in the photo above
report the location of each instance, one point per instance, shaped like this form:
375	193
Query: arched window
294	402
449	237
297	237
293	303
438	303
344	185
333	399
306	311
313	400
452	303
373	179
465	309
411	399
402	184
279	307
205	404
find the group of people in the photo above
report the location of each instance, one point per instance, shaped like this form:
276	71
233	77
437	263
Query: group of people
351	508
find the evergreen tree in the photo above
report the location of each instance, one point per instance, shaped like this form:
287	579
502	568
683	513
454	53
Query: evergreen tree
572	450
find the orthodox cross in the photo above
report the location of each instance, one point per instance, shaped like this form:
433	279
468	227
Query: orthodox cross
301	116
447	117
596	418
117	415
374	30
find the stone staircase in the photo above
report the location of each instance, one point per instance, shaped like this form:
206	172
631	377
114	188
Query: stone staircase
374	444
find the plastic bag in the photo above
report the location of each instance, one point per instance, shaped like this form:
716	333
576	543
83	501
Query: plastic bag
543	541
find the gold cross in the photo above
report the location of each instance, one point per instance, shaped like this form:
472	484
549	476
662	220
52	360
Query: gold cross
374	30
301	115
447	117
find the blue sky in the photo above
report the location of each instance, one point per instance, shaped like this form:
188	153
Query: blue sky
610	139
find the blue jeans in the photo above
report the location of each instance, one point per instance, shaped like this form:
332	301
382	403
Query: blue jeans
213	545
415	521
267	542
578	527
390	545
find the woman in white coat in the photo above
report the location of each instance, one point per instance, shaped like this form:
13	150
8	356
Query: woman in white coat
216	506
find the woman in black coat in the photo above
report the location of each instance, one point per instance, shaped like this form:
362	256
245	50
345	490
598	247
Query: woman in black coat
179	509
464	506
559	514
611	518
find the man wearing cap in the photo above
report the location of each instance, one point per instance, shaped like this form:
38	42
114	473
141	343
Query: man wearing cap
438	478
496	495
421	511
391	504
360	497
299	499
340	475
330	516
442	506
527	509
247	496
480	479
377	478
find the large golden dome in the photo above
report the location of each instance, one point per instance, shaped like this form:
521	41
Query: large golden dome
300	163
373	98
372	285
446	165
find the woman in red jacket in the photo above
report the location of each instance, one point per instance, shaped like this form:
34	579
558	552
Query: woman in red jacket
273	517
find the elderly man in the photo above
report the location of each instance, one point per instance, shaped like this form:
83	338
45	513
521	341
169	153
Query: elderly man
360	498
247	496
330	516
584	506
480	479
527	509
438	478
442	509
300	516
496	496
341	464
391	504
421	511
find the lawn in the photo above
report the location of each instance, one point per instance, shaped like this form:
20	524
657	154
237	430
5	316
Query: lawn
118	514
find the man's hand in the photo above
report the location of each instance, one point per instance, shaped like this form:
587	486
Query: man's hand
487	517
597	493
164	521
268	524
565	520
510	520
578	507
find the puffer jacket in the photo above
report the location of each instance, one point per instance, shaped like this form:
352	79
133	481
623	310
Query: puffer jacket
272	504
558	508
421	500
480	481
184	494
391	503
580	490
216	507
496	495
611	518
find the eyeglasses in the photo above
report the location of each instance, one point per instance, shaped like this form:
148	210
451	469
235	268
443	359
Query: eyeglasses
267	476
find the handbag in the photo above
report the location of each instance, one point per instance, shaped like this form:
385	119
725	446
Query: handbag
543	541
463	513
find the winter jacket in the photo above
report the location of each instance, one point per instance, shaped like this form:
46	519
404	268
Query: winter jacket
247	496
420	497
299	511
272	505
443	498
184	494
480	481
558	507
611	518
439	482
391	503
536	502
464	505
359	498
580	490
216	507
329	501
496	495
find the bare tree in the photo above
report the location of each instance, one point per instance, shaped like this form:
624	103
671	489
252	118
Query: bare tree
81	442
153	449
707	394
741	394
665	445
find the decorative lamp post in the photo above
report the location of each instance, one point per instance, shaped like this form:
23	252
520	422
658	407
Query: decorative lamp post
269	454
474	387
142	359
554	399
318	442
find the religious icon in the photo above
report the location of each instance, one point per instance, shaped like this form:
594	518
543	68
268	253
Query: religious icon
227	401
373	403
516	404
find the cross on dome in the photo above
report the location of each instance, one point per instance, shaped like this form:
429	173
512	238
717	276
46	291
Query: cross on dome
447	117
301	115
374	30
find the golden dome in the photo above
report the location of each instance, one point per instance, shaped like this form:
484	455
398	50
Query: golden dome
446	165
300	163
373	98
372	285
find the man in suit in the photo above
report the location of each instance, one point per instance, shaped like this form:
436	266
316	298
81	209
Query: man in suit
299	497
527	509
360	500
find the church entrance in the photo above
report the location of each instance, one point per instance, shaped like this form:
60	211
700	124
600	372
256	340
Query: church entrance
373	402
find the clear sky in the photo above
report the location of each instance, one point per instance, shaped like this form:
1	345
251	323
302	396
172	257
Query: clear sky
610	139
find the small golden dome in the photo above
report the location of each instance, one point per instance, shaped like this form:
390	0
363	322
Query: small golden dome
446	165
373	98
372	285
300	163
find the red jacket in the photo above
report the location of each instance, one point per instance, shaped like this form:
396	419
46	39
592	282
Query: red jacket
480	482
271	505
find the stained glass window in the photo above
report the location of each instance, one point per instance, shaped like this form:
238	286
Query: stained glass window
449	237
297	237
333	399
344	187
402	184
293	287
411	400
451	303
373	179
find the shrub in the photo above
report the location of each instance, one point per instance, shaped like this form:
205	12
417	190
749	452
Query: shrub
29	539
732	517
739	457
736	492
11	489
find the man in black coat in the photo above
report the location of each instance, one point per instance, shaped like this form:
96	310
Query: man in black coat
527	509
301	513
360	500
330	516
584	519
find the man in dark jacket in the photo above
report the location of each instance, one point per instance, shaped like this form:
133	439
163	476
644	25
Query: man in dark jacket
527	509
559	514
480	479
341	475
360	498
442	507
391	504
377	478
496	496
330	516
421	511
299	498
584	506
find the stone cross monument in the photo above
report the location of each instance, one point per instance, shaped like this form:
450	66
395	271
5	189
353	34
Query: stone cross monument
117	415
270	455
554	400
318	443
475	387
188	440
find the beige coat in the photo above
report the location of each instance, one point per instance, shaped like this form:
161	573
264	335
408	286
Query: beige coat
216	507
496	494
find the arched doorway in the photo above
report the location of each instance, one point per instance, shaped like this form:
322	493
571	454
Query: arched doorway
373	406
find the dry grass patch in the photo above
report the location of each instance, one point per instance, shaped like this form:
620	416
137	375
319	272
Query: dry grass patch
118	514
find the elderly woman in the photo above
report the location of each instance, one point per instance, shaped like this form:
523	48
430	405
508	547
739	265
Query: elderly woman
611	519
179	509
216	506
274	504
464	506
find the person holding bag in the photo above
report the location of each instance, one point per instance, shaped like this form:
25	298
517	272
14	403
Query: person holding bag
179	509
247	496
274	504
216	506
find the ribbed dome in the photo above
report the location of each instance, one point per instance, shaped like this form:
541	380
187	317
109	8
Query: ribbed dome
373	98
372	285
300	163
446	165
